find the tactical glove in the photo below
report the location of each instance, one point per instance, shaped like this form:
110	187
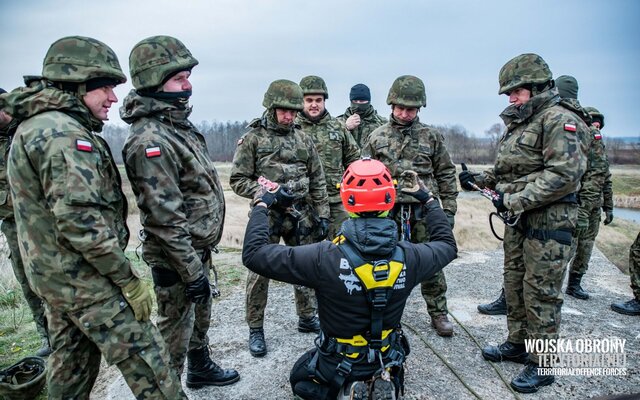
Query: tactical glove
269	197
199	290
608	217
450	217
498	201
324	228
582	225
466	178
138	296
412	185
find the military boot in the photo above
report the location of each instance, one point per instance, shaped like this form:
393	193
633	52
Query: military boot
45	349
309	325
573	287
631	307
202	371
383	390
442	325
496	307
257	345
507	351
359	391
529	381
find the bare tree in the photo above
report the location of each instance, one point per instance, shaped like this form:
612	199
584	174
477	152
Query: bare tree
495	133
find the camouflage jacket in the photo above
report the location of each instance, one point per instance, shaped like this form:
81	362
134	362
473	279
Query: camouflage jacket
540	157
177	187
286	156
607	192
417	147
336	147
6	205
593	180
369	121
69	207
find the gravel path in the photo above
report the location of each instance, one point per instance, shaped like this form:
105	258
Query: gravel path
475	277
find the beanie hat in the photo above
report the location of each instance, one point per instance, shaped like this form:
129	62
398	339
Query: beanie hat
567	87
360	92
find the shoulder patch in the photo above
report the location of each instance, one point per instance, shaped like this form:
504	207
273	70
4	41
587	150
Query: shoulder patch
151	152
597	135
84	145
240	141
570	127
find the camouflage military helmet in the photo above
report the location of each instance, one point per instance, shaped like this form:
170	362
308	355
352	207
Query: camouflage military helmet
23	380
407	91
314	85
154	59
522	70
596	115
283	94
77	59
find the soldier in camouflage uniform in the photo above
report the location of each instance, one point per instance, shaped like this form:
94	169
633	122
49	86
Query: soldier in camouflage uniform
537	171
335	145
277	149
404	143
632	307
71	219
8	126
597	122
181	201
590	195
360	118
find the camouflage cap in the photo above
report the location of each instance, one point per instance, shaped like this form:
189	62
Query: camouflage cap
595	114
567	86
521	70
77	59
407	91
314	85
156	58
284	94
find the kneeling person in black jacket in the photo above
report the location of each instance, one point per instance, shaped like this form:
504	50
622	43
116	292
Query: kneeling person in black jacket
362	281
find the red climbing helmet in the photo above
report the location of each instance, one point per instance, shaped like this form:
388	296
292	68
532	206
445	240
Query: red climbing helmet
367	186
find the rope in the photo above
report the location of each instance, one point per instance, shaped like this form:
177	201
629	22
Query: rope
441	357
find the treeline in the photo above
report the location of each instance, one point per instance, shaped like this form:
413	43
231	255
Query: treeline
463	146
221	138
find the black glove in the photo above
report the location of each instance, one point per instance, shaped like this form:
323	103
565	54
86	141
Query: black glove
608	217
466	178
280	196
412	185
199	290
323	227
498	201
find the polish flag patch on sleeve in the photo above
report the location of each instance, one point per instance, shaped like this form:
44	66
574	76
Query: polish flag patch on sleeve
151	152
570	127
84	145
597	136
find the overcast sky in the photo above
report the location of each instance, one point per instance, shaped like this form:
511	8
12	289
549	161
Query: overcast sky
455	47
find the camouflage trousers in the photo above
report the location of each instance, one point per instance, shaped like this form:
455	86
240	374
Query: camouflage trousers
434	289
183	325
337	216
584	243
534	269
8	227
294	232
634	267
108	329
